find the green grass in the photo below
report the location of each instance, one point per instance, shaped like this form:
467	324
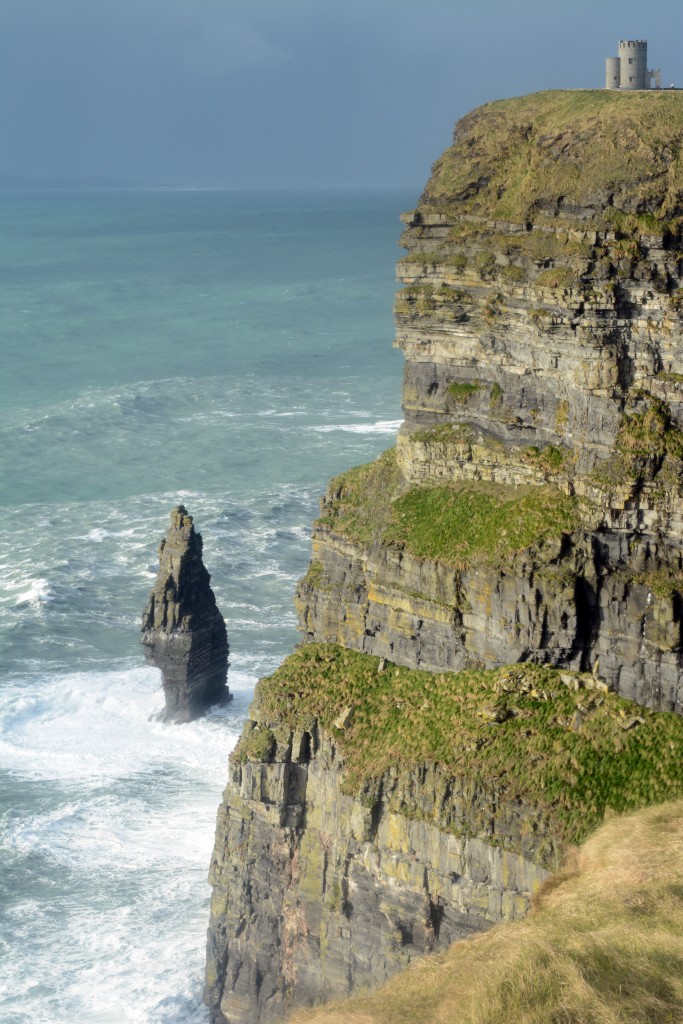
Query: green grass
455	261
452	261
650	432
461	391
649	446
550	457
256	743
478	522
358	502
464	524
315	575
663	583
445	433
518	731
515	159
539	315
603	945
426	300
415	298
542	245
425	259
513	274
485	262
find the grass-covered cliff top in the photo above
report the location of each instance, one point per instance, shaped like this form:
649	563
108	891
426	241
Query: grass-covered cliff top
604	945
519	730
463	525
593	153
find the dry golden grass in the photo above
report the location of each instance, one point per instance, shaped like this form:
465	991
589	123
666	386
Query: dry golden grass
603	945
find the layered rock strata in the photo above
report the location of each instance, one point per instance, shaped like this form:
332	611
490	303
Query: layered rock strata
316	891
542	324
605	597
531	512
183	632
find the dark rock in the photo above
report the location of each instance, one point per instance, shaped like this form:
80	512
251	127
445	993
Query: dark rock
183	632
317	892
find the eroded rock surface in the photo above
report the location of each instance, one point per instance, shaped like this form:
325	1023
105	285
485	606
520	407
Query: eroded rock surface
184	633
316	892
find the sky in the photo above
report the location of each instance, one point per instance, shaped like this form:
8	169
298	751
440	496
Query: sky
287	93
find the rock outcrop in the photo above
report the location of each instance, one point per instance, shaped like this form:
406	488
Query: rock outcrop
531	513
317	891
183	632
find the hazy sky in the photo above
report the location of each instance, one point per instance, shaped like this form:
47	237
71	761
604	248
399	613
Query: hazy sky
287	93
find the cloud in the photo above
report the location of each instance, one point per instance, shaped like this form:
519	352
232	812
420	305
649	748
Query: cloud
221	48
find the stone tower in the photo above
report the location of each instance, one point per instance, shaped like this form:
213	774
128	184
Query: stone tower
613	73
629	70
633	64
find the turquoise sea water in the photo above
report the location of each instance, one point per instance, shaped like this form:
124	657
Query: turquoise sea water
229	350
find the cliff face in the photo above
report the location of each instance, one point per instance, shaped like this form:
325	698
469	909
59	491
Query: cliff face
183	632
530	513
377	813
315	890
542	352
598	921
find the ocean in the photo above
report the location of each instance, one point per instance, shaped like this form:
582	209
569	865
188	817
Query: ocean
227	350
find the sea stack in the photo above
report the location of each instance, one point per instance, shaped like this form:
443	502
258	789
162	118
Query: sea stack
183	632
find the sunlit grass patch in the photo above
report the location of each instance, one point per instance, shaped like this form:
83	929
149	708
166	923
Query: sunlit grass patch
459	524
516	159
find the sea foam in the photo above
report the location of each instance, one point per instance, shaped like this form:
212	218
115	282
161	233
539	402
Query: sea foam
125	829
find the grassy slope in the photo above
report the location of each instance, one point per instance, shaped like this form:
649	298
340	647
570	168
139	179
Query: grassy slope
517	730
604	946
471	523
511	155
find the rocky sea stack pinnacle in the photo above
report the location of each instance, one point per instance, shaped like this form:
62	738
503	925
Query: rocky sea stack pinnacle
184	633
493	613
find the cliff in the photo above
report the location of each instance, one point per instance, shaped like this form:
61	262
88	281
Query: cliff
604	944
183	632
398	786
541	323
